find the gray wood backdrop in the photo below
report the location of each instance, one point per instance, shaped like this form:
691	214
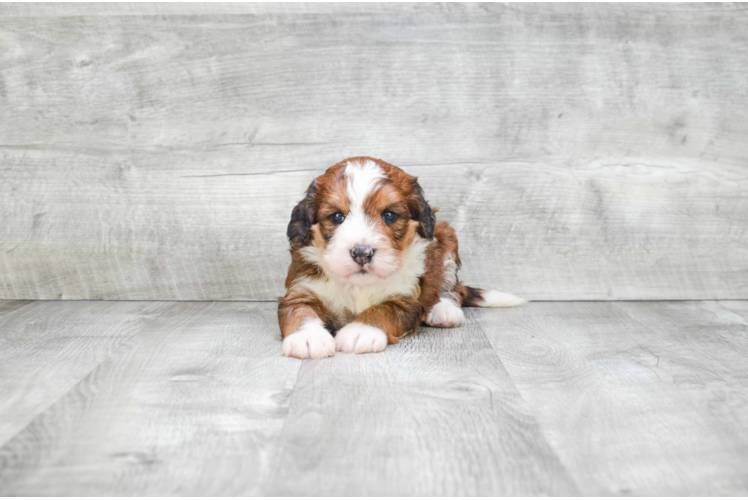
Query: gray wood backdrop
580	151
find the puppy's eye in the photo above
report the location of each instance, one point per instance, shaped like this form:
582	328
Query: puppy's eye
337	217
389	217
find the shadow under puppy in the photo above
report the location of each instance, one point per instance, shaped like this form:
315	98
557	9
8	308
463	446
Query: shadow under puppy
370	263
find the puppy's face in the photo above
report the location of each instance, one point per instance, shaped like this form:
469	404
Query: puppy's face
359	219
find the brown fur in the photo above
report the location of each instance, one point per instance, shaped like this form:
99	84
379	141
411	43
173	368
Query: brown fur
470	297
445	243
295	307
311	224
395	317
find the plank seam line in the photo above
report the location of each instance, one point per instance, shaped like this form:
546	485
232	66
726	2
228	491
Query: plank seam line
24	305
240	174
276	451
61	396
652	330
541	429
105	359
744	318
473	317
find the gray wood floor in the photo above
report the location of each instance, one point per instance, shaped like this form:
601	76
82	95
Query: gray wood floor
194	398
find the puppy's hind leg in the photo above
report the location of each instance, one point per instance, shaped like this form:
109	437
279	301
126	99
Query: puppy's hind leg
447	313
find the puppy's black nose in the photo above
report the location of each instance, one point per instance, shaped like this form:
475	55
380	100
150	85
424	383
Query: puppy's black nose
362	254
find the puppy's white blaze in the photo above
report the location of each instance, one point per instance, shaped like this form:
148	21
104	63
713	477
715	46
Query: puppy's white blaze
360	338
492	298
363	179
340	295
445	314
312	340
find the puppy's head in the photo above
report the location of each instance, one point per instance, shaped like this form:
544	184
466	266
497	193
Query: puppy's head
359	220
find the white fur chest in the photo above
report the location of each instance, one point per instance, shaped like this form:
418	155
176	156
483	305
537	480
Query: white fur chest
345	298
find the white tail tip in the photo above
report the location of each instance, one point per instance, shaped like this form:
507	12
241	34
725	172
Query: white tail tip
492	298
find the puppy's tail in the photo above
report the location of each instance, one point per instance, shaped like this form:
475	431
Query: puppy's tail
475	297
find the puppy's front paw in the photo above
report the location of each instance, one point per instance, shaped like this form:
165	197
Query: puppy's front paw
360	338
312	340
445	314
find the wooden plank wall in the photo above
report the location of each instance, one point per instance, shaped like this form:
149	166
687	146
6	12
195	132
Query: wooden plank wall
581	151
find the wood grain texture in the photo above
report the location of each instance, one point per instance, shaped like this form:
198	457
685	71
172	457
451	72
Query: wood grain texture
636	398
46	348
48	9
582	151
739	307
436	414
188	406
8	306
554	398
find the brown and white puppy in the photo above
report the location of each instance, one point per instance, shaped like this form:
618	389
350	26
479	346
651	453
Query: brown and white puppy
370	263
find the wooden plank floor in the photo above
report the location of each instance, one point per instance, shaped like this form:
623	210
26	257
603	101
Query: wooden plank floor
194	398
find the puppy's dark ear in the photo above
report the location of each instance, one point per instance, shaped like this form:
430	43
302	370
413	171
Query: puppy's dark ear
421	211
302	218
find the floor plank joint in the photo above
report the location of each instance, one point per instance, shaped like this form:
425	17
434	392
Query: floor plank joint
170	398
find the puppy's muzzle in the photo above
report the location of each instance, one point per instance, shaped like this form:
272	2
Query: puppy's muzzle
362	254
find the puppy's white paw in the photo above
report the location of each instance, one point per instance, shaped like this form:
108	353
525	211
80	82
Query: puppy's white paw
360	338
445	314
312	340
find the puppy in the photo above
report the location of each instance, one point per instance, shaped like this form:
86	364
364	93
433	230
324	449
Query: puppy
369	264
